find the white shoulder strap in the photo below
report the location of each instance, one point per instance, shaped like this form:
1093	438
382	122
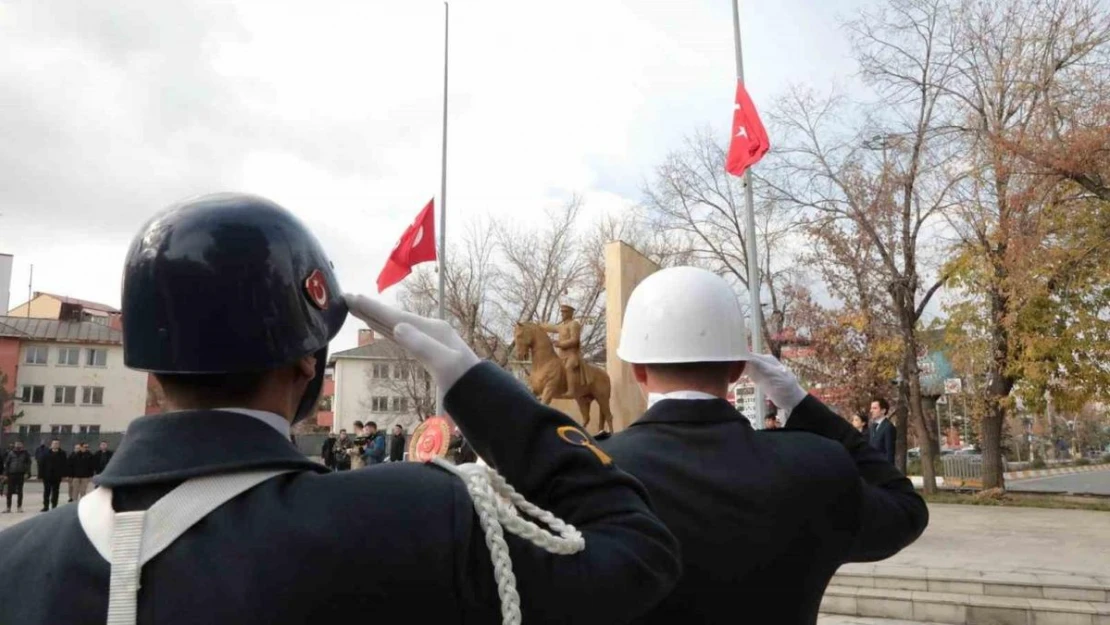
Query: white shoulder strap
128	540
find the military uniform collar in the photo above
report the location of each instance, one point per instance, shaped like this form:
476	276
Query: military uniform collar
691	411
192	443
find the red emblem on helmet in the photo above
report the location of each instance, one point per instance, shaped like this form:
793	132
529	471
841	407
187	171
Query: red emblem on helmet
316	288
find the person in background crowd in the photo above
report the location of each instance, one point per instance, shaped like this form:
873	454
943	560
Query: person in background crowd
40	454
82	468
52	469
859	421
771	418
341	452
17	468
397	444
327	452
882	435
102	457
69	469
375	444
358	446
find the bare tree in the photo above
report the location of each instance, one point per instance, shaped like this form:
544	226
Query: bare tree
693	200
470	285
886	177
546	265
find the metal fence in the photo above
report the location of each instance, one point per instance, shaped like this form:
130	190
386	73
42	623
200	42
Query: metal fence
963	468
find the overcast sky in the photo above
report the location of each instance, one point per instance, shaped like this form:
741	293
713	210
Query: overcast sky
109	111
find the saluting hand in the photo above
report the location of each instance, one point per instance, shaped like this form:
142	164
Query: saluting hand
775	380
433	342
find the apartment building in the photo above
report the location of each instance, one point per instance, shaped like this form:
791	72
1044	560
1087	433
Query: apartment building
68	376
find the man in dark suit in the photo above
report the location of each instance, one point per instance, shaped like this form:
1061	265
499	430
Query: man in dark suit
764	518
881	430
231	303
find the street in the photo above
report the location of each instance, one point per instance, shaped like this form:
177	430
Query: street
1095	483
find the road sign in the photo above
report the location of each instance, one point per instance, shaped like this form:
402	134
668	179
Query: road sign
953	386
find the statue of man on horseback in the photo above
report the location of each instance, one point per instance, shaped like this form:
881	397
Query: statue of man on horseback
569	331
563	375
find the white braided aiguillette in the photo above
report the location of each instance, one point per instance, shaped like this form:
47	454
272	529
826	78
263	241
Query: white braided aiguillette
497	504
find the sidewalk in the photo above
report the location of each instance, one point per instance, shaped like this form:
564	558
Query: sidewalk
1011	540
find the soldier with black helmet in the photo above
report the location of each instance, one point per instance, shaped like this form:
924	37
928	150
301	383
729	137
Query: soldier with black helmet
208	514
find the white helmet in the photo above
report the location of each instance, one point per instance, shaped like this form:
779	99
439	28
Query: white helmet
683	314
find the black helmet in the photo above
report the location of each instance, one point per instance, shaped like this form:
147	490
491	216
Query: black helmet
228	283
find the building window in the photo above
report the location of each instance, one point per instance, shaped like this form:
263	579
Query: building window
65	395
380	371
400	404
35	355
31	394
32	430
398	371
379	404
88	429
61	429
96	357
92	395
69	356
325	403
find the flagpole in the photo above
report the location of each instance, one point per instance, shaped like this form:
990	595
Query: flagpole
443	189
754	283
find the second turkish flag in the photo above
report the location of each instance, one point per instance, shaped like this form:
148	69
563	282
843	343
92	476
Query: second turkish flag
417	245
749	138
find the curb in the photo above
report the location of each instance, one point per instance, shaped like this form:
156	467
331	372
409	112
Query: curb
1023	475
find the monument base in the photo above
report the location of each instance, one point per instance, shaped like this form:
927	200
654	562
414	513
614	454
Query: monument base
569	407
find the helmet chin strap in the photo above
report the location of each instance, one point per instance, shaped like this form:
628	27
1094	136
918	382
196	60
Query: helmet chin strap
311	396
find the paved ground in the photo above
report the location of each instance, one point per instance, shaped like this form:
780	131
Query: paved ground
1006	540
32	503
1095	482
836	619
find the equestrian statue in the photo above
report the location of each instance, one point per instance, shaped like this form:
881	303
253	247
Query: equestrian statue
564	375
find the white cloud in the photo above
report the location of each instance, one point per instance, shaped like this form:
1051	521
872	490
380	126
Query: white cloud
111	112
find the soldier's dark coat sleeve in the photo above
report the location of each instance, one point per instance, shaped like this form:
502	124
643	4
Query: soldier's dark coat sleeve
893	515
630	561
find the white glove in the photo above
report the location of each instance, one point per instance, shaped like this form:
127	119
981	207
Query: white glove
433	342
775	380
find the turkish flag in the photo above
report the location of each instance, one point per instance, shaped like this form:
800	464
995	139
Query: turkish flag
749	137
417	245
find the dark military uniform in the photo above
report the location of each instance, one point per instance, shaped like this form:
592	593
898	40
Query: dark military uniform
764	518
396	543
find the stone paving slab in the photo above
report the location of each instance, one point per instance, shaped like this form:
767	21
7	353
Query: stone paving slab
836	619
1019	541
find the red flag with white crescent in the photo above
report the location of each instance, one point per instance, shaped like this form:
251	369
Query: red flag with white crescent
417	245
749	137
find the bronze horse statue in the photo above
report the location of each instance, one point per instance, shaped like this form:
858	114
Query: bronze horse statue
548	379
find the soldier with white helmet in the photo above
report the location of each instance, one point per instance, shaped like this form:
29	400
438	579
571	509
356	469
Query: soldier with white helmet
764	519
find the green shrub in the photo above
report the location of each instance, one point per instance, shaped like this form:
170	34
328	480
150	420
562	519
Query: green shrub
1038	463
1106	459
1082	462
